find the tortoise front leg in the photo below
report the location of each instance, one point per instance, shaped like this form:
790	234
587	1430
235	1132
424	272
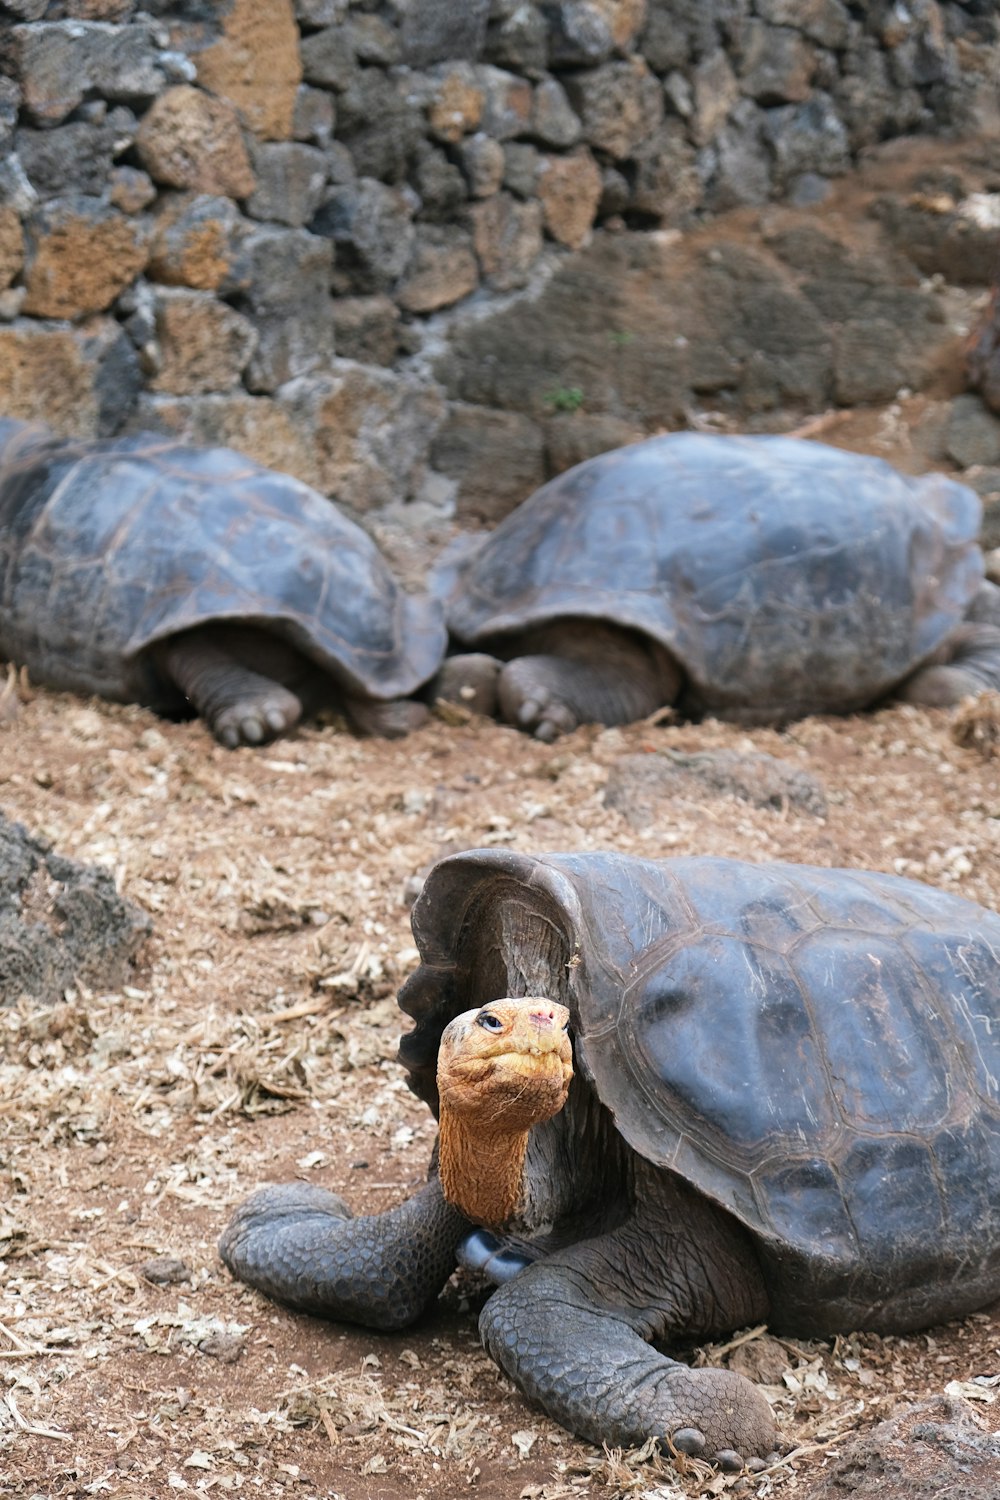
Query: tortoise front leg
574	1332
967	663
299	1244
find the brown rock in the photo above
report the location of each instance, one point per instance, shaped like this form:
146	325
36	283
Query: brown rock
508	103
131	189
203	344
190	140
369	429
620	104
456	105
938	1449
255	66
97	10
569	189
196	243
82	257
366	329
508	239
256	425
571	437
11	244
442	270
45	376
496	458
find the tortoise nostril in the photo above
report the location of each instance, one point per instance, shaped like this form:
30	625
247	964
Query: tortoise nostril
542	1016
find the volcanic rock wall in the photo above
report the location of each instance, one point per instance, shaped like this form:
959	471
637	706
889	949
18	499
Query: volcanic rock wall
255	221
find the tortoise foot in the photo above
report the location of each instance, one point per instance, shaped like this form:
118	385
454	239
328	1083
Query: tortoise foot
536	693
256	718
468	680
386	721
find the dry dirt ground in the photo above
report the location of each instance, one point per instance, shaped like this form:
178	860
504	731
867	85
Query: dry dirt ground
257	1041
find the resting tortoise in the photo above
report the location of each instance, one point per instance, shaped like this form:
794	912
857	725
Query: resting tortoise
150	571
751	578
786	1106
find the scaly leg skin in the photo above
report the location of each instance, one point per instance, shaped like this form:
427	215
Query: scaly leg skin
240	705
299	1244
582	672
574	1332
967	664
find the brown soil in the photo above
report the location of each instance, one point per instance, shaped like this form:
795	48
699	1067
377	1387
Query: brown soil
257	1040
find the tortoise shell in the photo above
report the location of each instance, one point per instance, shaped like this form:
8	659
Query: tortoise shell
815	1050
108	547
786	577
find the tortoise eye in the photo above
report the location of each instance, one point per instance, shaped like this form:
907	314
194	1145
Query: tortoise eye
488	1021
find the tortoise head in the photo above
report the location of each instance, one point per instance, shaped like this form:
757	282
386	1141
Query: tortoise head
502	1068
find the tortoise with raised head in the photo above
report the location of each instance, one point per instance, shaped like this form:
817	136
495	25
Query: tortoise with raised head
785	1106
757	579
152	571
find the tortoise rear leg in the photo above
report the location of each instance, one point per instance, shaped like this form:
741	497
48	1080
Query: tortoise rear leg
583	672
240	704
967	663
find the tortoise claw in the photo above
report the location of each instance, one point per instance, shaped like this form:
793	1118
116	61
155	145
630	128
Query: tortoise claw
689	1440
728	1460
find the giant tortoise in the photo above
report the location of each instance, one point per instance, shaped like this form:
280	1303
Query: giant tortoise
148	570
750	578
786	1106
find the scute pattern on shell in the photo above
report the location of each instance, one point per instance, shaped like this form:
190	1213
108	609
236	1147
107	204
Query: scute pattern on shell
785	576
816	1050
108	547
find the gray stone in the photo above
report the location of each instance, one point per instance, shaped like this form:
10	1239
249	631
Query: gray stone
373	41
132	190
937	1449
316	13
519	41
823	21
496	458
380	123
714	91
483	164
62	923
117	374
441	31
441	271
289	303
340	168
973	433
440	184
69	158
807	138
774	64
740	164
520	171
554	121
680	31
639	785
615	193
367	329
10	103
665	185
291	178
508	239
620	105
508	103
371	226
580	34
678	94
328	59
314	116
26	10
870	362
